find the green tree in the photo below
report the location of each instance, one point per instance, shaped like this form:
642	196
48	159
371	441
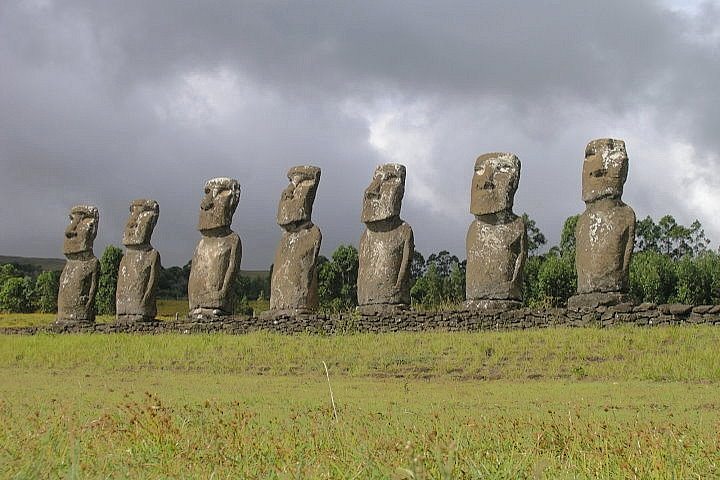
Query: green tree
531	291
337	280
107	284
16	295
556	280
46	291
428	289
8	271
695	279
670	238
652	277
567	237
442	283
535	238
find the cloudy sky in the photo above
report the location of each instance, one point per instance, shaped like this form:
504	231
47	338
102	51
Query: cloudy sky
104	102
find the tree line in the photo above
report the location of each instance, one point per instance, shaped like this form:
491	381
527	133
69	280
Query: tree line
672	263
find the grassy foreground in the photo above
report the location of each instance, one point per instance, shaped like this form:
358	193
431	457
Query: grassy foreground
557	403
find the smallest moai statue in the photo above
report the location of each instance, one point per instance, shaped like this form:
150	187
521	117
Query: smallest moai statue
216	260
605	231
79	278
293	287
140	266
386	246
496	240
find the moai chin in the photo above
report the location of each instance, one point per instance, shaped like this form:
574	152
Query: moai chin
386	246
140	266
496	241
293	287
79	278
217	256
605	231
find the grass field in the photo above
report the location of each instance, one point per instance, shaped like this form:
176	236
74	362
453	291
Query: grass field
556	403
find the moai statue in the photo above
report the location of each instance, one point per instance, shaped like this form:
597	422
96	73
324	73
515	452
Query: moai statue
217	257
605	232
140	266
293	288
386	246
79	279
496	240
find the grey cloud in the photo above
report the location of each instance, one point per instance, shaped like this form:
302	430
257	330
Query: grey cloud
82	83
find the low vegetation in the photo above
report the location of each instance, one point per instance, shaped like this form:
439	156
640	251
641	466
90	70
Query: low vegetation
560	403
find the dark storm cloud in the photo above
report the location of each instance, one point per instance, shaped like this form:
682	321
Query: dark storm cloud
102	102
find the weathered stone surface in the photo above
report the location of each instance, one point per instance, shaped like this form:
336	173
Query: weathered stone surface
496	240
387	244
597	300
216	260
674	308
78	281
293	287
491	305
381	320
605	232
140	266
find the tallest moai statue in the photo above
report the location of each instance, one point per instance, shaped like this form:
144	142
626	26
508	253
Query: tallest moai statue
605	232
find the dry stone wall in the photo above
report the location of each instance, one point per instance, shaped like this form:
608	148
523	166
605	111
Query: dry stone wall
645	314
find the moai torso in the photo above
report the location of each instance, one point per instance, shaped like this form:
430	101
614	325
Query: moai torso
137	282
140	266
384	266
294	278
213	271
604	238
78	284
495	259
79	278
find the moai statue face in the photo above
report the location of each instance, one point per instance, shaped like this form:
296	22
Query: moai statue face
81	233
383	198
296	201
219	203
604	170
494	183
141	222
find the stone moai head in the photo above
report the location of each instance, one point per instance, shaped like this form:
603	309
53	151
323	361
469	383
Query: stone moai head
219	203
494	183
383	198
604	170
296	201
81	233
141	222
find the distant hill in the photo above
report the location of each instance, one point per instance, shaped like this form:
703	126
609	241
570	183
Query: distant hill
59	263
43	263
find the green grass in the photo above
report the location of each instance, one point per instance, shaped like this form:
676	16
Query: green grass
557	403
